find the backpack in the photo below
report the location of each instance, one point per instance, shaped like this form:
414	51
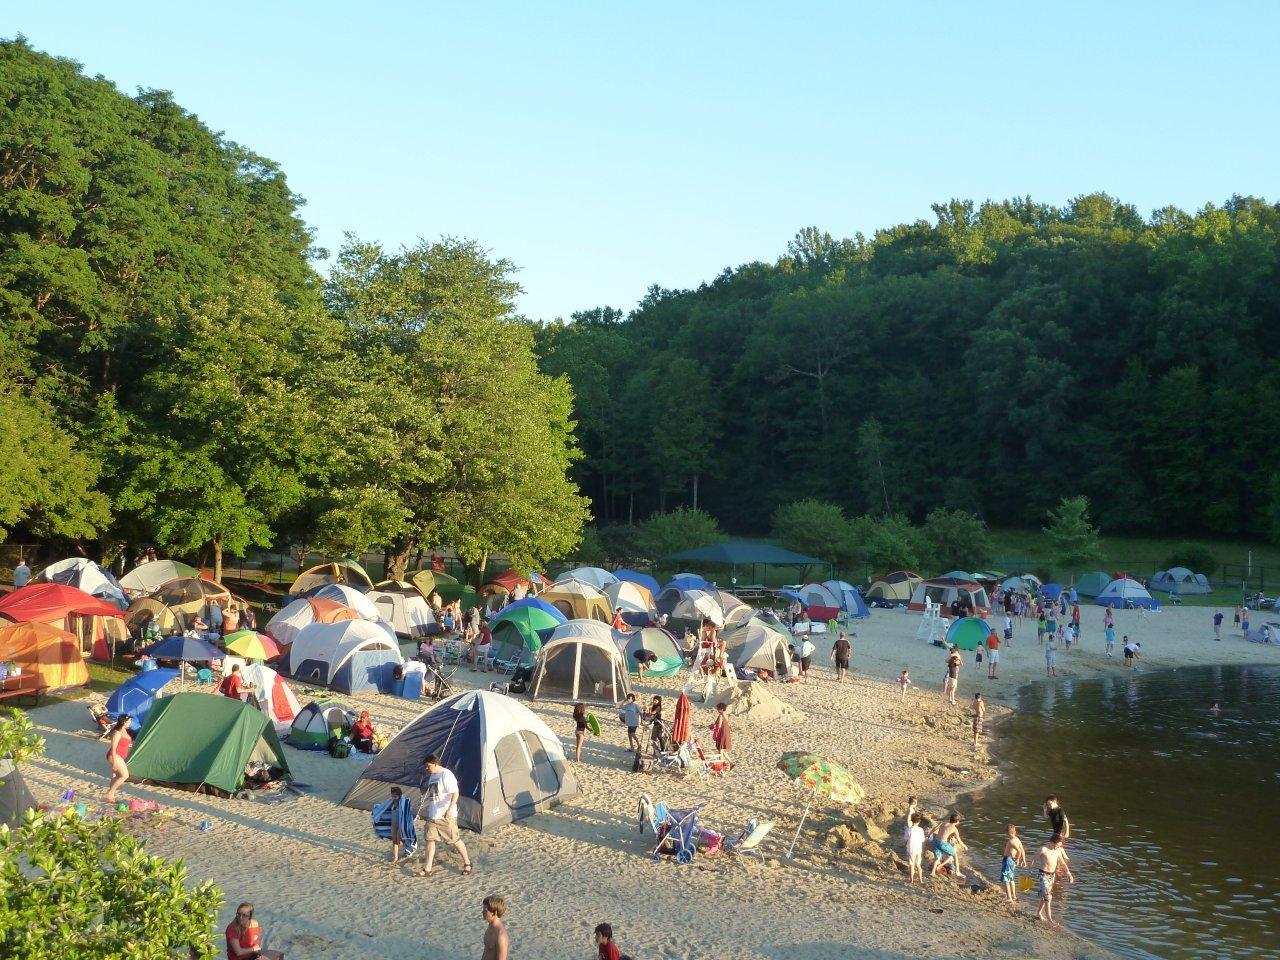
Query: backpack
339	749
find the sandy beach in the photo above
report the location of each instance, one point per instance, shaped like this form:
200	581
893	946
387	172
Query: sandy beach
323	886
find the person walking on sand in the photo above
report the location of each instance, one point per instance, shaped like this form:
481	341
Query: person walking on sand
1041	626
993	655
979	714
1015	856
915	848
579	730
1008	630
441	809
1052	858
904	681
630	717
952	680
806	656
1051	658
1111	639
721	735
841	651
1217	624
947	846
117	753
496	940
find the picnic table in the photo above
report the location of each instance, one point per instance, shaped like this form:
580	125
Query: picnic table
23	685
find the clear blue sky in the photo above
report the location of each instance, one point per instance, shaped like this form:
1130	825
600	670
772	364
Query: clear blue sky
605	147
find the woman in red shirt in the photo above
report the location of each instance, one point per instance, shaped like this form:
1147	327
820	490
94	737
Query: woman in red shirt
116	754
244	937
362	733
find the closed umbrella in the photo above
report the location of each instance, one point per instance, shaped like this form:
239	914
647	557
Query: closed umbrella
252	645
681	724
822	778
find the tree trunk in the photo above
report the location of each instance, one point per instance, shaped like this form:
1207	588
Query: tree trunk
398	561
484	565
631	508
217	559
695	491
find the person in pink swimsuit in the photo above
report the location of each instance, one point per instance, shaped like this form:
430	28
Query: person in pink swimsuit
116	755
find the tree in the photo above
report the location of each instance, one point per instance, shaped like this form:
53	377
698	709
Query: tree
463	440
1073	540
681	529
1196	557
873	467
684	430
73	889
888	543
954	539
815	528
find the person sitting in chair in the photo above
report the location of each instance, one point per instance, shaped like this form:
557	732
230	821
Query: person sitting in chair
362	733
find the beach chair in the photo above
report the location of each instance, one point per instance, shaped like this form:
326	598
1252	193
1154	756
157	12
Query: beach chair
751	838
204	677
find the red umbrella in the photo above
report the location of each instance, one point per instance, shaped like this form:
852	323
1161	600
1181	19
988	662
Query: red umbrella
681	726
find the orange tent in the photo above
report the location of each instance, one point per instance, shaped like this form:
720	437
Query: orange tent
45	650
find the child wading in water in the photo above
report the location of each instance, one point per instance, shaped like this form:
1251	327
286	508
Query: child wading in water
1015	856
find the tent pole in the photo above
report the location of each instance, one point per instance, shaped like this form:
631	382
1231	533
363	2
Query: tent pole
803	816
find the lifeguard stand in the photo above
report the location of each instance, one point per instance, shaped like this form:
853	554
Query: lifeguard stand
933	626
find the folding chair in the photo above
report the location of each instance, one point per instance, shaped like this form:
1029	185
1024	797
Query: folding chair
752	836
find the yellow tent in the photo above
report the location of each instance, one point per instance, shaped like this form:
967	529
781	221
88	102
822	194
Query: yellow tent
43	649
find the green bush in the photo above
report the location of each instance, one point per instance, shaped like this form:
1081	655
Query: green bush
677	531
1196	557
816	528
888	543
955	540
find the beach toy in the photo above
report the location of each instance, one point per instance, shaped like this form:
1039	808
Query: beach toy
593	724
80	809
69	794
122	807
1025	884
205	826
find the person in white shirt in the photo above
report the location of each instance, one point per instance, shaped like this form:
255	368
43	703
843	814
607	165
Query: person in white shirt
440	810
806	656
915	849
21	575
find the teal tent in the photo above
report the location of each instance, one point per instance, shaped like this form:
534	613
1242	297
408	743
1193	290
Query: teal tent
968	633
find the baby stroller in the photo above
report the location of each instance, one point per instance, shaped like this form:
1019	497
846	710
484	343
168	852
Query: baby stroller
676	830
435	682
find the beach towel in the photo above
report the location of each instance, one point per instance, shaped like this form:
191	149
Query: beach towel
402	812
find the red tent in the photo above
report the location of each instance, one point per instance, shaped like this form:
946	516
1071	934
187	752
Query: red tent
53	602
508	580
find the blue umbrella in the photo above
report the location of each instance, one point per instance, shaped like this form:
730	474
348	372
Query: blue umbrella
136	695
792	595
187	649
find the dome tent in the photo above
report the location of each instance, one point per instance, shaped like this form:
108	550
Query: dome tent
44	650
147	578
509	764
895	587
1126	594
591	576
337	571
578	601
756	646
85	575
628	575
408	614
1180	580
349	656
1092	583
276	698
317	722
851	603
658	642
581	661
633	599
136	695
284	626
15	798
968	633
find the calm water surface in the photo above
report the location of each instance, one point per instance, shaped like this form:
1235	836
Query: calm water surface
1175	814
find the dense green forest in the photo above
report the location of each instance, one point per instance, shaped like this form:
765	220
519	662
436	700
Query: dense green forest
995	360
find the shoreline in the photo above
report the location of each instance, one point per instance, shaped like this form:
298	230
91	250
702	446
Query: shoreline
584	862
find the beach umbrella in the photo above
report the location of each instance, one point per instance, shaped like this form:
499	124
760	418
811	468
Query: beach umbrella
184	648
823	779
682	722
252	645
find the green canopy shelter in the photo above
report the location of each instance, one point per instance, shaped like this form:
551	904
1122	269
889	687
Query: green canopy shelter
202	742
744	553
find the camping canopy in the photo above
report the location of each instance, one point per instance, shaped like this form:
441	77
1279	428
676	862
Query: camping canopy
968	633
202	743
337	571
509	764
583	664
147	578
136	695
944	590
43	649
85	575
744	553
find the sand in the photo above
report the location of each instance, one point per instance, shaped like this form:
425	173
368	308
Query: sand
323	887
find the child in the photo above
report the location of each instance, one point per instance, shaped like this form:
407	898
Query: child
1041	626
904	681
915	849
721	735
630	716
604	942
979	714
579	729
1008	630
496	940
1015	856
1051	659
393	820
1111	639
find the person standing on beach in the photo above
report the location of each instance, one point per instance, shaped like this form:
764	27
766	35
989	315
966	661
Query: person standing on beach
1008	630
1244	621
1051	658
841	650
1111	638
579	729
630	717
1057	816
117	753
1236	621
915	848
1042	624
1132	652
1015	856
904	681
993	655
1217	624
496	940
806	656
1052	858
441	808
952	680
979	714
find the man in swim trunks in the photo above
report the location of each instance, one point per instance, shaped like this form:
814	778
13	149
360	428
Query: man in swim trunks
1052	859
993	655
840	652
952	680
1015	856
946	846
979	714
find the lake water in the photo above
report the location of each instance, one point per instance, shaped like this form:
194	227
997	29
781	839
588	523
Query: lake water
1175	814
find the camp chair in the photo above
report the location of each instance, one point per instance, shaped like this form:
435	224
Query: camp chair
204	676
751	838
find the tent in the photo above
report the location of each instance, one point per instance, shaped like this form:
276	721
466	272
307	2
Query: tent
1180	580
1091	584
188	596
147	578
688	608
591	576
408	614
147	610
432	581
895	587
756	646
44	650
968	633
317	723
87	576
349	656
195	741
337	571
53	603
1051	591
284	626
820	601
851	603
136	695
736	616
733	606
15	798
347	596
639	579
509	764
276	698
1125	594
526	623
689	581
946	589
581	661
578	601
658	642
634	600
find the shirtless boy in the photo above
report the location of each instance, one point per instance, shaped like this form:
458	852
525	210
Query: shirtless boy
947	846
495	931
979	714
1015	856
1052	858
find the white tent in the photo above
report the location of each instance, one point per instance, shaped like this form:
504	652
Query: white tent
630	597
408	614
821	602
147	578
698	605
757	647
284	626
592	576
275	697
350	656
85	575
581	662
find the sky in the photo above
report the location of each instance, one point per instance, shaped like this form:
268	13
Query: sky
607	147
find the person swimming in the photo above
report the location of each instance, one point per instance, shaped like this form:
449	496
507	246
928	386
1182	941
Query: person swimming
1215	710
